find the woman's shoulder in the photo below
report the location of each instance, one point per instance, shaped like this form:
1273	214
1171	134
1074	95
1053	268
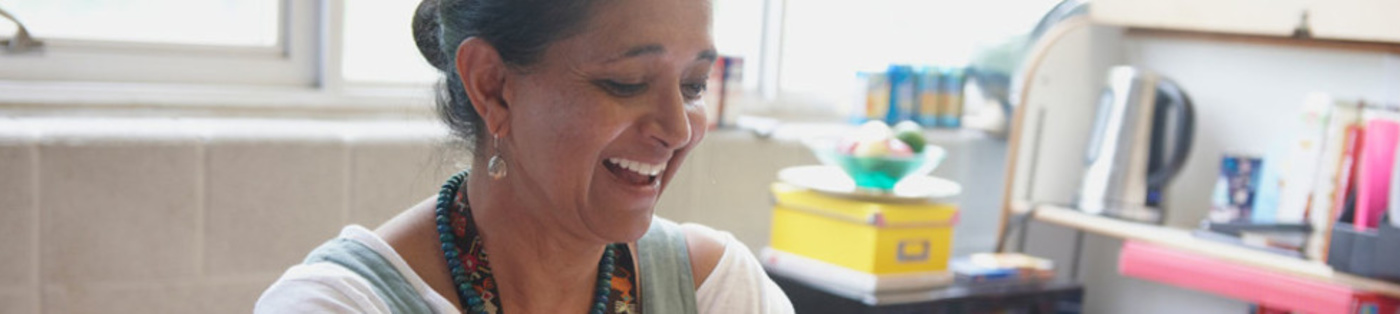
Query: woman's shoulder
326	282
358	271
729	279
706	247
319	287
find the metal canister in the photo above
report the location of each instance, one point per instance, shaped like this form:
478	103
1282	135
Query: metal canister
877	95
930	84
951	102
903	88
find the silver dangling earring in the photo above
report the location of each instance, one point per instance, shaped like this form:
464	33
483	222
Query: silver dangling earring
497	166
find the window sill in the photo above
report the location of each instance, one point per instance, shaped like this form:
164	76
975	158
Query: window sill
168	130
31	98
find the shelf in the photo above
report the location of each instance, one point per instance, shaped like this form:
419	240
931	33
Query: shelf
1229	38
1181	239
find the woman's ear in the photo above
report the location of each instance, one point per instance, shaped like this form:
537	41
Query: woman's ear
483	77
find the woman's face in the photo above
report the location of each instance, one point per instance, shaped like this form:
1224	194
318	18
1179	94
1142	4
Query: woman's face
601	124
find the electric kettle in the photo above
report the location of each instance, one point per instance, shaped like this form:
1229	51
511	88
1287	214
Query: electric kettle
1140	139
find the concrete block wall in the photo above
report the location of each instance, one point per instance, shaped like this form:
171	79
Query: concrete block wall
163	215
189	216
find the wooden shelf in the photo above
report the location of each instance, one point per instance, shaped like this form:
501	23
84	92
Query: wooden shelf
1229	38
1181	239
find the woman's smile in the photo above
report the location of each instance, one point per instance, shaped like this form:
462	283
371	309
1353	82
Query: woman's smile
635	172
633	182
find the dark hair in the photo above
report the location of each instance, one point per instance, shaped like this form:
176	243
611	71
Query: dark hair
520	30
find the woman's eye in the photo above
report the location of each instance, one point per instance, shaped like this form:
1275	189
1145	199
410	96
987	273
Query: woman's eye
622	89
693	91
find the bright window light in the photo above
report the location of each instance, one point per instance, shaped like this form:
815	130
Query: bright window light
738	32
246	23
379	48
827	41
378	45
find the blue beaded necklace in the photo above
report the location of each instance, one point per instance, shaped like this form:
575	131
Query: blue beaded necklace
471	301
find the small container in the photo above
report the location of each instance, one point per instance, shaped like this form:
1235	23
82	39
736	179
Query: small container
903	89
930	87
1340	247
1369	253
714	95
1386	256
950	113
1351	250
731	89
877	95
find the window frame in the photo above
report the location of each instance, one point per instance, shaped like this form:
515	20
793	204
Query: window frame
300	74
304	70
289	62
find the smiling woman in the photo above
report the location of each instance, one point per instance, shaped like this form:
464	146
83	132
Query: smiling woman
578	113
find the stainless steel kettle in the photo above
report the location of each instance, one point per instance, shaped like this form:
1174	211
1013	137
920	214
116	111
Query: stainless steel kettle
1140	139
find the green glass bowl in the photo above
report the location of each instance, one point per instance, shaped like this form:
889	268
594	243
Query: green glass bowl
878	173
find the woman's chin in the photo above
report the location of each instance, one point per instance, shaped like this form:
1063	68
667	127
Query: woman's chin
623	226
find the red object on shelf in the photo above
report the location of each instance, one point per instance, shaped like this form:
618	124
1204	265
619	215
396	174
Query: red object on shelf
1346	171
1373	181
1270	289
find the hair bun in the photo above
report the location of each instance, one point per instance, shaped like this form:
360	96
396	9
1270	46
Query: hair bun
428	35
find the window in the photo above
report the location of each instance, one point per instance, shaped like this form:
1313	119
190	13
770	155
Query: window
796	49
377	50
738	32
241	42
238	23
377	46
825	42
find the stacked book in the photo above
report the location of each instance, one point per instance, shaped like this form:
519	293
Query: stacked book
1001	268
1278	238
865	287
977	270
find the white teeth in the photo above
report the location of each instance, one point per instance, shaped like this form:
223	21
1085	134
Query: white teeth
638	167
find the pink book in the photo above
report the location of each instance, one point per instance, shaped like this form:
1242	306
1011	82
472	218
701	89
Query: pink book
1377	161
1267	288
1346	170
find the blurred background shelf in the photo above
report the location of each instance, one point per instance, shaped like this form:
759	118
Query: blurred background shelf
1182	240
1281	41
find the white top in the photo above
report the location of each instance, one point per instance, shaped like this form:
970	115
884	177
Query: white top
737	284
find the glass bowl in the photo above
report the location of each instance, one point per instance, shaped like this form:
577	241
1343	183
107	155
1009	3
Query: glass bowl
877	173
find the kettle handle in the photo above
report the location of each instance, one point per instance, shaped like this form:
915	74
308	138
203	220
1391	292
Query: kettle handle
1185	130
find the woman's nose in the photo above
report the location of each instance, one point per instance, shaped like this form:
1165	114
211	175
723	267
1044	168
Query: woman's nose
669	124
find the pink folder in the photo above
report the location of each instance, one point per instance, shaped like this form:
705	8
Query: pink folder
1267	288
1377	161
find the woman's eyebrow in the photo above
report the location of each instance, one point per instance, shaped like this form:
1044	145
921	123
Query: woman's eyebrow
637	52
644	50
708	55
